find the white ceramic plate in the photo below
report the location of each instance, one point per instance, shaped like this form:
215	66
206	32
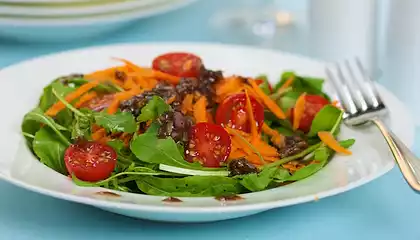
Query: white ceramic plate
65	11
23	83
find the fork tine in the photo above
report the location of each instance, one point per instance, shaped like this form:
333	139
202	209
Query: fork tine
346	86
340	95
369	85
355	86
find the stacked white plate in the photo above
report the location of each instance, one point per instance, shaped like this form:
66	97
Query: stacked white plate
34	20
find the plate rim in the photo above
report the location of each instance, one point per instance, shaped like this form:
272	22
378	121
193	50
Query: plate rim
191	209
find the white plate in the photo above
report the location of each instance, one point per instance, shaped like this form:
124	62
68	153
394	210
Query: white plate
66	11
23	84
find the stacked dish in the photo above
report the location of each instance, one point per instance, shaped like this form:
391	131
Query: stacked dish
69	19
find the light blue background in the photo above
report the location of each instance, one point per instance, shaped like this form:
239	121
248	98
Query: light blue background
383	209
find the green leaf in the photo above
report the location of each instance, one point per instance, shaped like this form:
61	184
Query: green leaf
265	84
304	84
193	186
259	181
148	148
321	156
325	120
153	109
82	125
50	150
33	119
288	100
118	122
107	87
125	156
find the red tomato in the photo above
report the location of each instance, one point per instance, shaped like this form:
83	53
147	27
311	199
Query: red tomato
99	103
313	104
90	161
209	144
178	64
232	112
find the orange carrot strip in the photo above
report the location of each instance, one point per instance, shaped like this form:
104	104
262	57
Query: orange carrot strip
331	142
228	85
287	84
58	106
241	145
200	113
100	133
236	154
264	148
269	103
298	111
113	107
101	75
254	131
151	73
187	104
276	137
171	100
85	98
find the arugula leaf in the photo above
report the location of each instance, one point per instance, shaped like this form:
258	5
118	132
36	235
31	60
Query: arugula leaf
288	100
124	155
265	84
32	122
258	181
325	120
64	117
82	125
153	109
118	122
50	150
321	155
193	186
303	84
148	148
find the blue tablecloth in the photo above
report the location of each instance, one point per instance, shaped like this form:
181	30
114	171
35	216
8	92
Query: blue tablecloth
383	209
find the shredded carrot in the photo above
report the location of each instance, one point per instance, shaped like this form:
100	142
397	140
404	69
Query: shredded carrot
171	100
101	75
58	106
85	98
98	134
298	111
228	86
237	154
187	104
200	113
287	84
147	72
331	142
252	122
264	148
276	137
269	103
113	107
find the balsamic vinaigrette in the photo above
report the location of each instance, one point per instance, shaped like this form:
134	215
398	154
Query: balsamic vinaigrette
108	194
229	198
172	200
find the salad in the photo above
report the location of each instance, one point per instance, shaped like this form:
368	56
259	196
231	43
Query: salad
179	129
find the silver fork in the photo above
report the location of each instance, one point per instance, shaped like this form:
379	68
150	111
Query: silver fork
362	104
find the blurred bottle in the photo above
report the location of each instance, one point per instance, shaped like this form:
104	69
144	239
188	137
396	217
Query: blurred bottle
401	53
341	29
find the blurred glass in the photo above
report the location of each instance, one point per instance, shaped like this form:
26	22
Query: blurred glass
267	23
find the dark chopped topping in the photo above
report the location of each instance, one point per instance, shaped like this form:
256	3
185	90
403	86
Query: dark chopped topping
292	145
120	76
65	79
186	86
176	125
136	103
205	82
241	166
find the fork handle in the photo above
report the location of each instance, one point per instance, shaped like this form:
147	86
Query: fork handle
408	163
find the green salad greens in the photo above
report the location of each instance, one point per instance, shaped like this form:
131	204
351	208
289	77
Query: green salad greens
181	130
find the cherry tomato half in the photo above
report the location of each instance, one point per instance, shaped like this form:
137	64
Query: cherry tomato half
232	112
209	144
313	104
178	64
90	161
99	103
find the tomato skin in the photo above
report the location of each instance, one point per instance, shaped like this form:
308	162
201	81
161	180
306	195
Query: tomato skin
313	104
232	112
209	144
179	64
90	161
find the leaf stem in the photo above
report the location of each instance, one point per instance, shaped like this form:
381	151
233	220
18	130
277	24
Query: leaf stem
28	135
299	155
67	104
